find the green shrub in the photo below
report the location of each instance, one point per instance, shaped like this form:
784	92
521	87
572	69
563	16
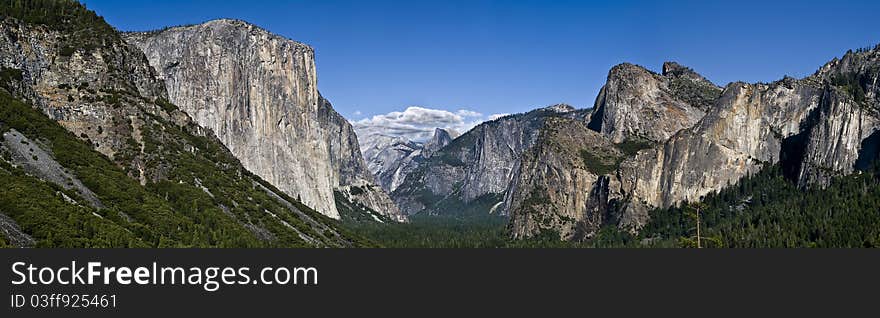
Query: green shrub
66	51
851	83
633	145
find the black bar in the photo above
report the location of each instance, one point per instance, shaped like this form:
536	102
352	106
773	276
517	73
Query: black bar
546	282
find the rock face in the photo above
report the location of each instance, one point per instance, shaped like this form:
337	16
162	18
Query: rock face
565	191
812	126
477	165
636	103
258	92
350	173
86	91
822	126
391	159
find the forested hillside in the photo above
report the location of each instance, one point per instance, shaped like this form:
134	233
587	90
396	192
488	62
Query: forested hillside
767	210
163	214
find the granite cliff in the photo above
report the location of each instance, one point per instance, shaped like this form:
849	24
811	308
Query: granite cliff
258	93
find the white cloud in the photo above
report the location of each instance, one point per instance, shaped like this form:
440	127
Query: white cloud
468	113
358	113
417	123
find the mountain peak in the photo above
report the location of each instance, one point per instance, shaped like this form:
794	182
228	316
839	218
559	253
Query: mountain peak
441	138
638	103
628	68
445	132
560	108
216	25
231	21
852	63
673	68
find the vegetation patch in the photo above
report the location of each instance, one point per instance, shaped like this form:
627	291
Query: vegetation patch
600	164
852	83
84	28
693	92
631	146
167	106
8	74
355	190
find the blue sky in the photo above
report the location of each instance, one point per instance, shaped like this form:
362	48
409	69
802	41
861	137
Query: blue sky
491	57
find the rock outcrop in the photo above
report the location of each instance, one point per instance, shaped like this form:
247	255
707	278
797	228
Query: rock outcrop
258	92
636	103
440	139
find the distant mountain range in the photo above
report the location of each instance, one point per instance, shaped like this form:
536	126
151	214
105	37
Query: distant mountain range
391	159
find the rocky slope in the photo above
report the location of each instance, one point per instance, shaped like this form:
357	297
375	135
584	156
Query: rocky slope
475	167
111	162
32	158
818	127
258	92
391	159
